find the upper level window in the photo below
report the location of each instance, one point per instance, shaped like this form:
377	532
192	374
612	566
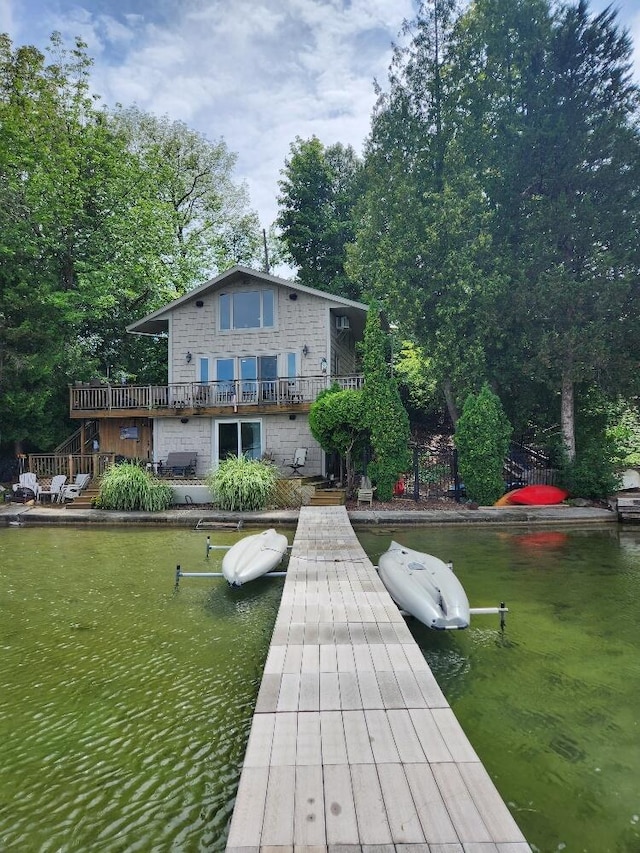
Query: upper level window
248	309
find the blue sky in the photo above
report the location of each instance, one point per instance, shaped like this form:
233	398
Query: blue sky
256	72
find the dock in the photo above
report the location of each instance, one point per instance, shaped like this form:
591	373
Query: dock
353	746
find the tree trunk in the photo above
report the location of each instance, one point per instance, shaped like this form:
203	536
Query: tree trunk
451	403
567	417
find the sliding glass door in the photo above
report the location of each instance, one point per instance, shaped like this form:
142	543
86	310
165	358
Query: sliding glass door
235	438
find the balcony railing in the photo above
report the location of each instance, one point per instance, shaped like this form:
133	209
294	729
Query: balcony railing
203	395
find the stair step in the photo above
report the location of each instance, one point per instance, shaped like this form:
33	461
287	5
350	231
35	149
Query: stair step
328	497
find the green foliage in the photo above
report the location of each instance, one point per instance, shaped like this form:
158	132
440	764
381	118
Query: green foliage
242	484
592	473
319	190
482	440
127	487
104	217
336	420
384	414
624	433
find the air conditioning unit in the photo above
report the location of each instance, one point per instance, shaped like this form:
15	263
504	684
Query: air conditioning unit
342	322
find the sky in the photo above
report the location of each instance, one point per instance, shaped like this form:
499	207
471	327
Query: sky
256	73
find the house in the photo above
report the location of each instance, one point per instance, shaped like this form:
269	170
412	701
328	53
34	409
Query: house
248	354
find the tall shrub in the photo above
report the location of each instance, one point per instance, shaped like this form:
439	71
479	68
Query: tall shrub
482	440
242	484
385	416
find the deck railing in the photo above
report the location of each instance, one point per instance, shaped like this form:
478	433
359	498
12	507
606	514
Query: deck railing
49	464
198	395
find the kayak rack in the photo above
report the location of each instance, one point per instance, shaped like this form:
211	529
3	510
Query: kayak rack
491	611
181	574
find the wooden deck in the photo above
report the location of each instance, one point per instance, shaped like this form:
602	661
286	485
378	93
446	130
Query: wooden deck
353	745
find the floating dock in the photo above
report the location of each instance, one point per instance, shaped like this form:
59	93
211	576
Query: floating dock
353	746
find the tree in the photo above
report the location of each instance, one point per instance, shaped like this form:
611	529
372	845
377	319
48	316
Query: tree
337	423
208	215
561	148
319	190
384	414
482	440
423	243
93	232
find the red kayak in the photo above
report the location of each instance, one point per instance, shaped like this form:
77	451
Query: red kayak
532	495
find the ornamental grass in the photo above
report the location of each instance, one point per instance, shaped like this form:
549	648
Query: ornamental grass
126	487
242	484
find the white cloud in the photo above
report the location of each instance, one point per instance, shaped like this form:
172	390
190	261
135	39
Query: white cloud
256	72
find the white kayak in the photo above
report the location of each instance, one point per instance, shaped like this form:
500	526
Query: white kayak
425	587
253	556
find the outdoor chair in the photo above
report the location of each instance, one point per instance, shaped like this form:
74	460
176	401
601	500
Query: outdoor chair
365	492
28	480
53	492
179	464
68	493
299	460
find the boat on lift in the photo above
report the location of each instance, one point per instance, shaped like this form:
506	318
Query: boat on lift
254	556
425	587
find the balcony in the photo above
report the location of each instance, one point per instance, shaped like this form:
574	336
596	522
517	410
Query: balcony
89	400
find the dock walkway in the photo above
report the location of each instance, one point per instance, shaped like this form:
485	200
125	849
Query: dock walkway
353	746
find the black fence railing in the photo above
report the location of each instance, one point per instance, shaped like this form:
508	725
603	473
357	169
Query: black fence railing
435	471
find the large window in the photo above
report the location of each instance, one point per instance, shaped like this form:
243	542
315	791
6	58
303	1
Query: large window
252	309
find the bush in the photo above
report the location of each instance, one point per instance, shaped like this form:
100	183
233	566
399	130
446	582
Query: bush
591	474
482	439
241	484
128	487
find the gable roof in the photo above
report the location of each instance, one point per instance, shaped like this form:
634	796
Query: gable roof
157	322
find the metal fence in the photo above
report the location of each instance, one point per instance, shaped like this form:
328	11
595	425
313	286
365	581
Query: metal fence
435	471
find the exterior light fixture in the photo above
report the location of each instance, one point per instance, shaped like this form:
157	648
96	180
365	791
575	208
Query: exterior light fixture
323	365
189	357
305	350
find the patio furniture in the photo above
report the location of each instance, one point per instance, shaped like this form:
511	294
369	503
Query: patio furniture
28	480
365	492
181	463
53	492
299	460
68	493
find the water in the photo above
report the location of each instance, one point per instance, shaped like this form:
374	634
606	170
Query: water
125	709
552	706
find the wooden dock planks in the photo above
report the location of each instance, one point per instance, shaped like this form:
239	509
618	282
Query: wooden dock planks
353	745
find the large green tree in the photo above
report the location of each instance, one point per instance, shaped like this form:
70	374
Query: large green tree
97	227
319	189
210	222
423	241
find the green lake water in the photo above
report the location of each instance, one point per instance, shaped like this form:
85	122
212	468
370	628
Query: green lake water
125	707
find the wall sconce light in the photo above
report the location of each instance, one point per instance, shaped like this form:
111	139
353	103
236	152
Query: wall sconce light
323	365
305	350
189	357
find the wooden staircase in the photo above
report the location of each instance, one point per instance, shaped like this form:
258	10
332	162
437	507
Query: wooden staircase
85	498
328	497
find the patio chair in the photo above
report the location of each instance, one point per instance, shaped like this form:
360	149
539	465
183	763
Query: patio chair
68	493
365	492
299	460
28	480
57	483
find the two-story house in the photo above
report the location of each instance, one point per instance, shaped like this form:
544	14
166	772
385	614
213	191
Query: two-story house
248	353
